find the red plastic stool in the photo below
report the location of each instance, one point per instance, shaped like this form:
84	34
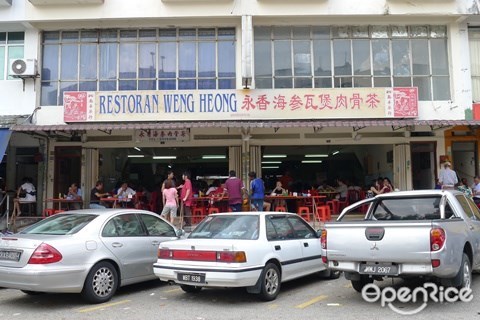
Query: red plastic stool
324	213
280	209
304	212
334	206
197	214
47	212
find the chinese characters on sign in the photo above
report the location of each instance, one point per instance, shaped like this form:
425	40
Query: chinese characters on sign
269	104
154	135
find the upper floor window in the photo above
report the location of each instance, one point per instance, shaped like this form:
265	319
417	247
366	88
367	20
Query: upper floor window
474	44
136	59
354	56
11	47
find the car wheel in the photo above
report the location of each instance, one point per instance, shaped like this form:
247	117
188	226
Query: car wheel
270	282
464	275
190	289
359	284
101	283
32	293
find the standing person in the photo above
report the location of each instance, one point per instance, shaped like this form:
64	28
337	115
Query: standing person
186	196
257	191
26	193
170	201
95	194
75	193
171	178
448	177
476	190
235	189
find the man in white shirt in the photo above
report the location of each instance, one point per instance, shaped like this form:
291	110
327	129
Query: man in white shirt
447	177
125	195
476	189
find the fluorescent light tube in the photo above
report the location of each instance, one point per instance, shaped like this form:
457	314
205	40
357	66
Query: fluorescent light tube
311	161
214	156
335	152
274	155
164	157
136	156
270	167
271	162
137	148
316	156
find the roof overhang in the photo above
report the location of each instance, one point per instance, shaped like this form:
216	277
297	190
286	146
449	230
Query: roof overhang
356	124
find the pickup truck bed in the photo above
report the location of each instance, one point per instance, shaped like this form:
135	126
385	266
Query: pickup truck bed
405	234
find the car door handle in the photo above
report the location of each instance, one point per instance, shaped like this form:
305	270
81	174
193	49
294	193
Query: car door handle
117	245
278	248
155	243
305	244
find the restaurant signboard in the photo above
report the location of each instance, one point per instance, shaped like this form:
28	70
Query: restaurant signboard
261	104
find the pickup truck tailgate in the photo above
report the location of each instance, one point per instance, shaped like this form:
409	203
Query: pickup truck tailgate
375	241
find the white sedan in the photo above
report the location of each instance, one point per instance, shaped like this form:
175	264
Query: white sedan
256	250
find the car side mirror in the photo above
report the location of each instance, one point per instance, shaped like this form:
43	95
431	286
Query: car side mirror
180	232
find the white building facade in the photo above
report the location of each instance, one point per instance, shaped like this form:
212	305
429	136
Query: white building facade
385	82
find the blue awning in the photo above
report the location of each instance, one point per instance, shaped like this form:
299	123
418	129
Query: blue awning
4	138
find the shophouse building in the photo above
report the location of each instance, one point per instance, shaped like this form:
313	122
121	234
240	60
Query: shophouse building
123	90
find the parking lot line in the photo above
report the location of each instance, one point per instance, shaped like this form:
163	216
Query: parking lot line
172	290
310	302
103	306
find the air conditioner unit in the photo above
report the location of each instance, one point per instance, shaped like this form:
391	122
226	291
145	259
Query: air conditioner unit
23	68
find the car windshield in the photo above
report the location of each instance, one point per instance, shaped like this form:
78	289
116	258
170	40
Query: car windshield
243	227
61	224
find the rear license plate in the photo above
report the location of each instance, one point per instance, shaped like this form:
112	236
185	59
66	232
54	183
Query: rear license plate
379	269
191	277
10	255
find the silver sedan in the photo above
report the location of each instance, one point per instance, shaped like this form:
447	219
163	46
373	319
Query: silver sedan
92	252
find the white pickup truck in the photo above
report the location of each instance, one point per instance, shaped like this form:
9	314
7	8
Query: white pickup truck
426	233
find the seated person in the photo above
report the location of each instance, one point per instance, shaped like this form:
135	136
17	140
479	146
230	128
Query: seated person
26	193
324	187
342	189
125	193
278	191
96	194
74	193
214	187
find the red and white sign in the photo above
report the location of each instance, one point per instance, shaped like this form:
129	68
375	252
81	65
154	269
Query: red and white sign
268	104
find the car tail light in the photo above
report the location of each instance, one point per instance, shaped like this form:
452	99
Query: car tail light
165	254
231	256
323	239
324	259
435	263
45	254
437	239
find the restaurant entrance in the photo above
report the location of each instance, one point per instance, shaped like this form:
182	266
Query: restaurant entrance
67	168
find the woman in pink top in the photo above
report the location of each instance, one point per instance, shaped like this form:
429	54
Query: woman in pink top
170	201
